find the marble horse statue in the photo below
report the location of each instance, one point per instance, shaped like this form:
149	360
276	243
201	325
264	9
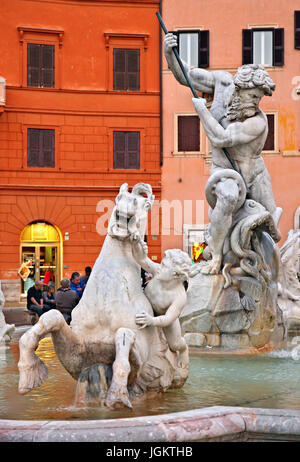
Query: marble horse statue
113	360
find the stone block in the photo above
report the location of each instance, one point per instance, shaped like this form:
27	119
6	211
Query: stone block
213	340
195	339
202	295
234	341
201	323
11	290
235	322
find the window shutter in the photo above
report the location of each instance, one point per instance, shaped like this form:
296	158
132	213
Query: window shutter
270	141
40	148
33	147
133	150
203	49
188	133
297	30
247	46
278	47
47	151
119	69
47	66
133	69
126	150
33	65
119	149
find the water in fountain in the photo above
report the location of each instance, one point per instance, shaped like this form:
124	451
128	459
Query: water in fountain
267	381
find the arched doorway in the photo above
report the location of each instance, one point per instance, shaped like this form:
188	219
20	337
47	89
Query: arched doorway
41	252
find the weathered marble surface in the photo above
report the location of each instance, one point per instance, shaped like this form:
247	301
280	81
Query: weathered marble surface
243	228
104	342
288	284
6	330
209	424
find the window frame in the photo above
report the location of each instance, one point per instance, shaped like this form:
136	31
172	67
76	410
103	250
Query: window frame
57	135
275	151
198	31
264	28
41	37
111	131
40	45
176	152
126	69
125	41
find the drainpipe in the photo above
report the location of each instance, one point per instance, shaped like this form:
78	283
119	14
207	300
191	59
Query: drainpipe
160	89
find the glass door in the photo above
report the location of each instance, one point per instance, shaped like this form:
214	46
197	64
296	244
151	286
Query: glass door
42	263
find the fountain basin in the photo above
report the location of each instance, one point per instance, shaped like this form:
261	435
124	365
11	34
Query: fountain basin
250	398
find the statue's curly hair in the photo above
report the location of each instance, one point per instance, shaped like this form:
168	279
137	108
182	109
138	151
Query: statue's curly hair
254	76
181	261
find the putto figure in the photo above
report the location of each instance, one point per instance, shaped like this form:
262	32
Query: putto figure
237	124
166	294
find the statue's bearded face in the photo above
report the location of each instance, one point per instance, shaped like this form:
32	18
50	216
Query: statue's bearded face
244	103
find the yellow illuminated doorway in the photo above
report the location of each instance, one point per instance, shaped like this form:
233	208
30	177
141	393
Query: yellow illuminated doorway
41	255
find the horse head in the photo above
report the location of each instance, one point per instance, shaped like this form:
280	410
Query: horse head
130	213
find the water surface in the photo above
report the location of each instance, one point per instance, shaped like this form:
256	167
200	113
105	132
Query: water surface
266	381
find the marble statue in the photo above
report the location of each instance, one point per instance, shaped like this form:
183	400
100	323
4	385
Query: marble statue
6	330
289	284
166	294
242	256
104	348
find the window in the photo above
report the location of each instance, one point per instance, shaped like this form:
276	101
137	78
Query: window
192	233
126	69
193	47
297	29
40	65
126	150
263	46
270	141
188	133
40	148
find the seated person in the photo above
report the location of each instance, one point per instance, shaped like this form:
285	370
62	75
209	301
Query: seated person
84	279
76	284
49	295
66	299
166	293
35	300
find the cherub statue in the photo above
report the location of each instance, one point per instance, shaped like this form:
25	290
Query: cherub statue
166	293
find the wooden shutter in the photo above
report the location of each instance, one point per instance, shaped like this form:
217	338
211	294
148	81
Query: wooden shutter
203	48
247	46
126	150
133	150
119	149
40	65
133	70
33	65
40	148
126	69
270	141
297	29
188	133
47	66
47	143
33	147
119	69
278	47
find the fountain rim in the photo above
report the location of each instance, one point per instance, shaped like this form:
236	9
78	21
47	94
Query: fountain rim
216	423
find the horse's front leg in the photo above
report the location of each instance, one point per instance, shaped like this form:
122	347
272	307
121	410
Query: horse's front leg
118	392
33	371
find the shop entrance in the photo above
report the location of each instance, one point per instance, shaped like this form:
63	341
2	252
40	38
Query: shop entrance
40	255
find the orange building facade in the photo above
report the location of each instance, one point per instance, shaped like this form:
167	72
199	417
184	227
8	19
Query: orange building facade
228	34
79	116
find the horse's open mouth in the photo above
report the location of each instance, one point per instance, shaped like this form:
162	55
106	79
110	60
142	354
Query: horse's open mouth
122	221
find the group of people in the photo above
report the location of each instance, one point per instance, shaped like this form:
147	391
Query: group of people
42	297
